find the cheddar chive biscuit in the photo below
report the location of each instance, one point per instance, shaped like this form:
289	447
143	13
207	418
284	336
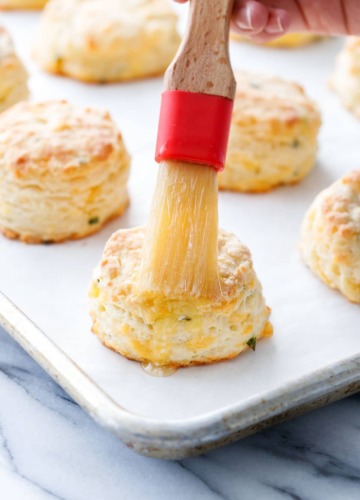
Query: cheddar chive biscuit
287	41
273	135
331	236
63	171
107	40
179	331
346	78
22	4
13	75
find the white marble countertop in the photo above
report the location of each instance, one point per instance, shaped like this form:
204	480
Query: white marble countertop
50	448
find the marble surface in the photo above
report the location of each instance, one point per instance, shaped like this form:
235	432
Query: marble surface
50	448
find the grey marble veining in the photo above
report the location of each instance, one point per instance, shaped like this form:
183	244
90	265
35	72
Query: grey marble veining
49	448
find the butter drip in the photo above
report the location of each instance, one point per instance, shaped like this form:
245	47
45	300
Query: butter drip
158	371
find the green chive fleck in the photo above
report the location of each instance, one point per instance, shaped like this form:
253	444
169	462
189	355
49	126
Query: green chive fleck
252	343
184	318
296	143
254	85
93	220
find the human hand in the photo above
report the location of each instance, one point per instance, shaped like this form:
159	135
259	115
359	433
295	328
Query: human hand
264	20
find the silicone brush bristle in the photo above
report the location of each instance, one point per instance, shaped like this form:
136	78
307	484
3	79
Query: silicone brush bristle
181	246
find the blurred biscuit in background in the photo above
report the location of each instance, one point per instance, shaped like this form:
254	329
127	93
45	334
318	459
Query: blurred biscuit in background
346	78
273	135
13	75
288	41
107	40
22	4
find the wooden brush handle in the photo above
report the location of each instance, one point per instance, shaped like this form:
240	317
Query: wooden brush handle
202	64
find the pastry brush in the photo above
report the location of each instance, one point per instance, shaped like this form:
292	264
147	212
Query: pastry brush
181	245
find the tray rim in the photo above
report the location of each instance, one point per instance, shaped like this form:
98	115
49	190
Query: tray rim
176	439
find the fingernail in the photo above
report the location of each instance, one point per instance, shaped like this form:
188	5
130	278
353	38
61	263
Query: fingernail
277	27
244	20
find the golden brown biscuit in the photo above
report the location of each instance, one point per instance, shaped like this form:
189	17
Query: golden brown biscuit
346	78
288	41
13	75
63	171
273	135
22	4
177	331
331	236
106	40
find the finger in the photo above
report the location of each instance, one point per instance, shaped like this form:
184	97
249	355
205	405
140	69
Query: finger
278	24
250	17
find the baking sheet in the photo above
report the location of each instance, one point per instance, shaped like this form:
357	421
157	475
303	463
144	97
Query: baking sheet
315	327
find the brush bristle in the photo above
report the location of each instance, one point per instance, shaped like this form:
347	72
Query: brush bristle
181	245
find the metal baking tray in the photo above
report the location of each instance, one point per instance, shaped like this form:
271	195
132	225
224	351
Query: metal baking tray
314	355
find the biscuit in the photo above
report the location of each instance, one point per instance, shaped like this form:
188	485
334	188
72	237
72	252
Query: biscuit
107	40
273	135
331	236
13	75
288	41
346	78
63	171
293	40
177	331
22	4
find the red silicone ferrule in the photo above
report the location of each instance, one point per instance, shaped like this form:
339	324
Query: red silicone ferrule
194	128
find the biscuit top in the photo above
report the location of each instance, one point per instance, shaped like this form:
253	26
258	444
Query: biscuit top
123	252
261	98
104	24
352	44
55	136
340	207
6	46
351	52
